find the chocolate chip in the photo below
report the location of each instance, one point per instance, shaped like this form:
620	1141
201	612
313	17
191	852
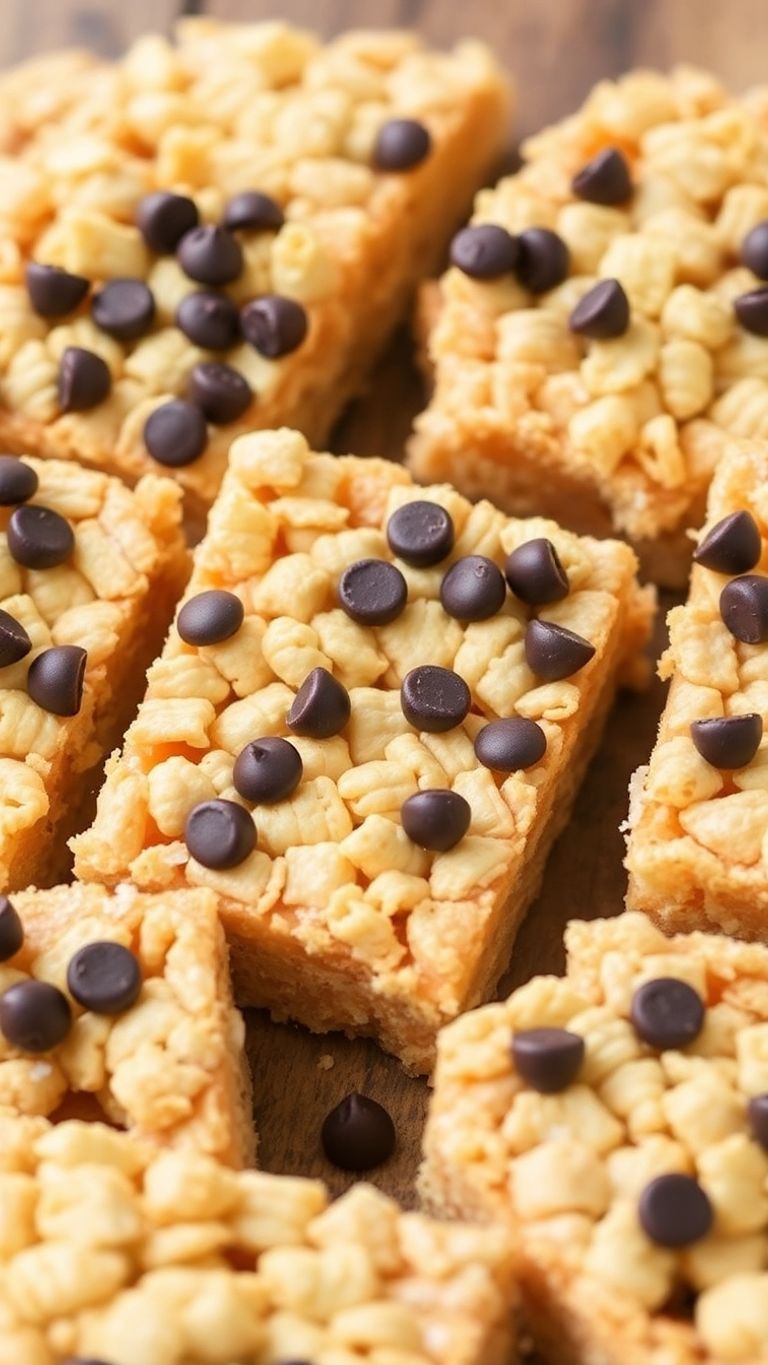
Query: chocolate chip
267	770
14	641
543	259
84	380
728	741
484	252
53	292
274	325
104	977
11	929
358	1134
602	312
758	1116
548	1059
321	707
420	533
733	546
91	1360
605	179
219	834
125	309
175	434
473	589
436	819
210	617
373	592
34	1016
674	1211
209	320
667	1013
254	211
55	679
400	144
18	481
39	538
754	250
552	652
509	746
744	608
210	255
752	311
164	218
434	699
535	574
220	392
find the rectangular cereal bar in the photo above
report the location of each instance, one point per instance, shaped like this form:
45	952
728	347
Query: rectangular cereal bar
90	573
245	198
698	846
119	1006
372	868
617	1120
605	318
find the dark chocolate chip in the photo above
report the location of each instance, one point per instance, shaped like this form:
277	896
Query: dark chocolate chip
84	380
548	1059
14	641
754	250
34	1016
420	533
667	1013
11	929
485	252
434	699
535	574
55	679
104	977
175	434
210	617
733	546
728	741
210	255
758	1117
163	218
602	312
605	179
401	144
473	589
53	292
674	1211
511	745
752	311
125	309
219	834
321	707
543	260
744	608
209	320
274	325
358	1134
267	769
436	819
552	652
18	481
220	392
88	1360
254	211
373	592
39	538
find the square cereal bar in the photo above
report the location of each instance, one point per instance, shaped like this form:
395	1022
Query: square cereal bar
111	1251
698	846
89	576
617	1118
372	868
245	198
120	1006
606	317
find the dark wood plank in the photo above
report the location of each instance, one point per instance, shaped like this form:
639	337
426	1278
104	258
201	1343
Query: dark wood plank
32	26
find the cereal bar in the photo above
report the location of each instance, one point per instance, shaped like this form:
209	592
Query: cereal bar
605	317
365	737
219	234
119	1006
617	1118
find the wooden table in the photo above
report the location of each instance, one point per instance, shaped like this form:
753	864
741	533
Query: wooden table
557	49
